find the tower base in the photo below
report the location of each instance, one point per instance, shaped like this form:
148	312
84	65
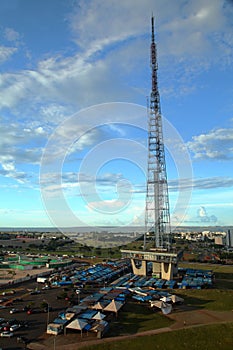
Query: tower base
164	264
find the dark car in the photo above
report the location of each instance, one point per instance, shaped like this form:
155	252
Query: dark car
17	300
24	324
35	292
25	308
13	321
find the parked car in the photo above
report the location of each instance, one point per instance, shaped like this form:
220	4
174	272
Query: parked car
14	311
14	327
3	300
25	308
6	334
35	292
17	300
24	323
30	311
13	321
5	327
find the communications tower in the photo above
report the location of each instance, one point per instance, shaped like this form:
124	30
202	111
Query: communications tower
157	216
156	247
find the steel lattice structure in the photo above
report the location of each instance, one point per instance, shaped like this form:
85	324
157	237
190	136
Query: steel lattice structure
157	215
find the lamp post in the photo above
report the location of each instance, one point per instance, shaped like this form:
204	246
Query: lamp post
47	313
78	294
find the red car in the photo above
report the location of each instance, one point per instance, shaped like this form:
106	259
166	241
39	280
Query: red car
30	311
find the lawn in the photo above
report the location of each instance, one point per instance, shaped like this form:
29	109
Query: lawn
216	268
205	338
134	318
210	299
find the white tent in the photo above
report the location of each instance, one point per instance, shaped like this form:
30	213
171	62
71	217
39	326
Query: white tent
76	324
166	309
99	306
158	303
166	299
176	299
99	316
114	306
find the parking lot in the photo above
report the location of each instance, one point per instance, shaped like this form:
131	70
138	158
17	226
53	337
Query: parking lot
34	324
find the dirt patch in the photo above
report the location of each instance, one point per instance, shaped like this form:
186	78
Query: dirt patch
199	317
11	276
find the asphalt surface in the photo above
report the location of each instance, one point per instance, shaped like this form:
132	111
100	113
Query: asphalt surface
37	321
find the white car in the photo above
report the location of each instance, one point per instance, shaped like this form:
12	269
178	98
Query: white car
7	334
13	311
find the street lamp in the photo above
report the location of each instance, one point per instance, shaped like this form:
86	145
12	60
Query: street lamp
78	294
47	313
54	343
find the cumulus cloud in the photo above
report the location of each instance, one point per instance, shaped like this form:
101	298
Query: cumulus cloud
215	145
203	216
19	146
108	36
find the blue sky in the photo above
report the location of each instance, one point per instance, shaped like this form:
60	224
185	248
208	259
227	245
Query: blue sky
74	81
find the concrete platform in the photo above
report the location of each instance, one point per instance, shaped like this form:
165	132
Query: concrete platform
164	263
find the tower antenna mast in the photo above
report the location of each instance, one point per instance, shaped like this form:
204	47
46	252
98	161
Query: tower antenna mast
157	214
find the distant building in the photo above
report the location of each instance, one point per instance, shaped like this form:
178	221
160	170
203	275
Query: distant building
220	240
229	239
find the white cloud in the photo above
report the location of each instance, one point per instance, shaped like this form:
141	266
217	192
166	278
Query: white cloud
11	34
109	206
69	81
54	113
215	145
113	44
6	53
203	216
200	183
19	147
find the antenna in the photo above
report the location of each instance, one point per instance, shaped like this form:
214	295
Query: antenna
157	215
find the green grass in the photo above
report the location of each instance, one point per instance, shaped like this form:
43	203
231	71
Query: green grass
224	284
216	268
134	318
210	299
210	337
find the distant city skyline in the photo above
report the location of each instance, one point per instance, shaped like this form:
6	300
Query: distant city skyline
74	81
